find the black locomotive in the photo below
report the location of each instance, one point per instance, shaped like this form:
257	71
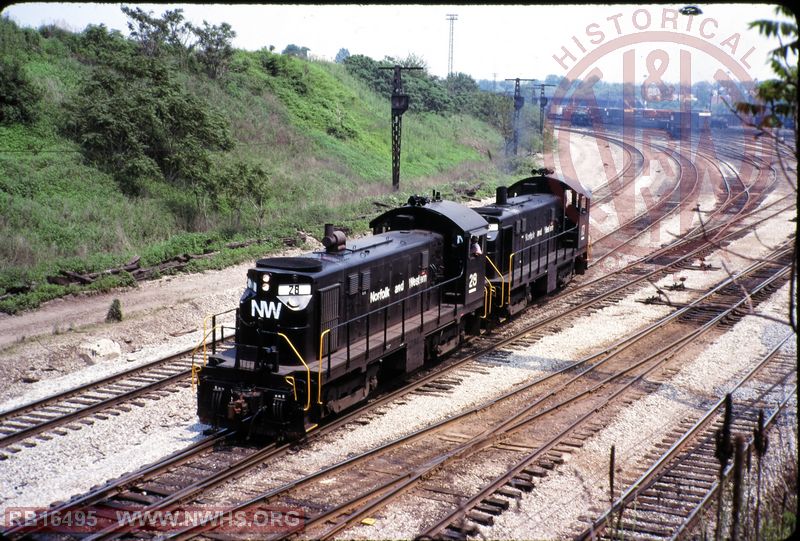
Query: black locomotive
318	333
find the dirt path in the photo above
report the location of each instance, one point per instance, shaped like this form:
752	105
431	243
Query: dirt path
61	315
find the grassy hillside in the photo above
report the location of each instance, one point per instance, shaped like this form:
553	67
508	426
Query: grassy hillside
276	146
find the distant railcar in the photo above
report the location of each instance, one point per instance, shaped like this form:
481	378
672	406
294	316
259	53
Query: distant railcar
688	123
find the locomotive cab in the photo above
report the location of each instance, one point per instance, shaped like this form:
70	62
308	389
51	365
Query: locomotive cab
462	272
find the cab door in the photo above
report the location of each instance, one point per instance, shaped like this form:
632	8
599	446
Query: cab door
476	269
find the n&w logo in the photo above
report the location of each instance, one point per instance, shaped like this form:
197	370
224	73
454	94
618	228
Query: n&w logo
264	309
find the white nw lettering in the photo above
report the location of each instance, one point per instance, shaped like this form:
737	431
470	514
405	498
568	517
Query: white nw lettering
270	310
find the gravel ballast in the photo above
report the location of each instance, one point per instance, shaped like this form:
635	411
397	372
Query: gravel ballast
604	326
553	509
71	464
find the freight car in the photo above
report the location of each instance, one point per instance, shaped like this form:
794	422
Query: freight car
318	333
682	124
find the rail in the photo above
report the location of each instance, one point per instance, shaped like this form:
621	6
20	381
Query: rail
653	471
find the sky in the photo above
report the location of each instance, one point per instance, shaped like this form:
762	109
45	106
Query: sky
637	42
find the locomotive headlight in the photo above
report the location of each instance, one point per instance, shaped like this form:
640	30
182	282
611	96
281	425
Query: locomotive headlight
265	282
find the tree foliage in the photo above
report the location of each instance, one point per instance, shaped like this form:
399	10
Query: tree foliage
171	34
295	50
215	48
148	31
18	96
342	55
134	120
778	96
459	93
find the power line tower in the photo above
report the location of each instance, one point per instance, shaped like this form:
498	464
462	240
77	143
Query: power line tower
399	101
519	102
542	105
452	17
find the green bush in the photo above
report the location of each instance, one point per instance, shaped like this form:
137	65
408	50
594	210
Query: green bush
114	311
18	96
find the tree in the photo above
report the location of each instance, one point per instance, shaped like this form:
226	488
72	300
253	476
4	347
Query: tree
215	47
171	33
134	120
702	90
149	31
413	61
778	96
342	55
294	50
18	96
251	183
461	83
179	32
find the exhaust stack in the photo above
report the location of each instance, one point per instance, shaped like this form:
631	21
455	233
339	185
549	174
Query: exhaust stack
502	195
334	240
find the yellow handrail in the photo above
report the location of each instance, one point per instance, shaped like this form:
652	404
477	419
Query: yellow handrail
290	381
308	370
488	291
502	278
203	343
319	376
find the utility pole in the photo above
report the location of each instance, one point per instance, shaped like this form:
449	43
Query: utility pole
519	101
399	102
452	17
542	105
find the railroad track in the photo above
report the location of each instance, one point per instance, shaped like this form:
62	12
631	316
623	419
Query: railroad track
631	169
437	384
433	383
56	415
69	410
497	495
109	396
85	404
147	491
402	464
740	198
668	499
737	200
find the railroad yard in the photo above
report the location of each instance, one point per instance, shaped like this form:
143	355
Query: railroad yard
685	300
